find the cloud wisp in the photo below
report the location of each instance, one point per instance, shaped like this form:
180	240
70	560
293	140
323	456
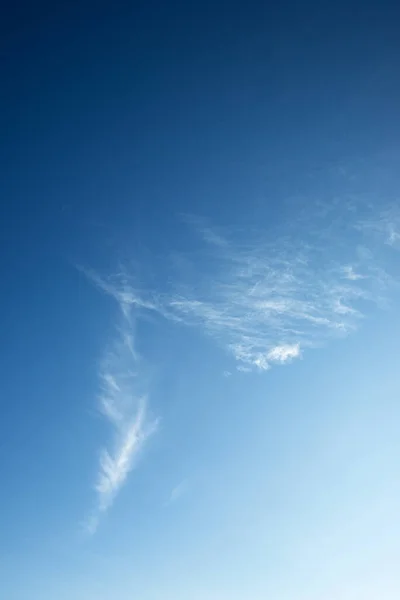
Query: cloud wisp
178	491
264	298
123	403
266	302
386	226
268	297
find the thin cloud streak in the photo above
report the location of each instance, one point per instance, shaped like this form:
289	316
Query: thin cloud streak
349	273
178	491
123	403
386	226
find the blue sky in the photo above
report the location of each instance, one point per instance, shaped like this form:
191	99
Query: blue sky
200	235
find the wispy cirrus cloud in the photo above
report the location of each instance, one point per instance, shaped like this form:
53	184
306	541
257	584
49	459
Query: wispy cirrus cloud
123	403
265	297
385	225
268	296
266	302
178	491
349	273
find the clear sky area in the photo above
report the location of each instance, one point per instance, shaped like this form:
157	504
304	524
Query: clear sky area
199	308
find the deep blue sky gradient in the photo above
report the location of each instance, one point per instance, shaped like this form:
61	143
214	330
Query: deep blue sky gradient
118	120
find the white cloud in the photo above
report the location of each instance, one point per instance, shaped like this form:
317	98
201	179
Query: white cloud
178	491
263	297
385	225
264	301
393	237
268	297
349	273
284	353
123	402
243	369
115	467
209	234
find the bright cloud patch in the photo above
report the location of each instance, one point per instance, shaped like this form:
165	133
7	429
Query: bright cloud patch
285	353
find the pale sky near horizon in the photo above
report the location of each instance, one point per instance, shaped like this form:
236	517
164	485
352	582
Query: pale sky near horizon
200	237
